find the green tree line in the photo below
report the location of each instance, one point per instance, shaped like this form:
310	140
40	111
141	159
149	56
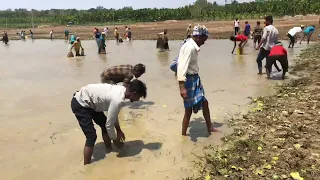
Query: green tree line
200	10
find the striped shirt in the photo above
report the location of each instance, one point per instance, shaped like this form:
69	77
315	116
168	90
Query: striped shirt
117	74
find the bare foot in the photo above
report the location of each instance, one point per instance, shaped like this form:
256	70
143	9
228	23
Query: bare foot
213	130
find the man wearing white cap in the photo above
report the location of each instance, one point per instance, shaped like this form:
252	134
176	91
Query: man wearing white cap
191	89
292	34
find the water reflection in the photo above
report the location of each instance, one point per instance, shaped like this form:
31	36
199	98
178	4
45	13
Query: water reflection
163	58
103	57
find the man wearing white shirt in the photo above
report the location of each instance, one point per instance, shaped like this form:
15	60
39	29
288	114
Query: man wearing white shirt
236	24
106	29
269	39
292	34
89	103
191	89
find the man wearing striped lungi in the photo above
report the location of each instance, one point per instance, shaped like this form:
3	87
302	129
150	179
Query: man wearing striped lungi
191	89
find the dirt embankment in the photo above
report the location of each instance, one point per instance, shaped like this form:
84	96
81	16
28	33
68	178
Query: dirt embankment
176	29
280	137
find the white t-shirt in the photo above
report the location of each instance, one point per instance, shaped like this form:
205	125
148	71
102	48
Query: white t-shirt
294	31
236	23
270	34
103	97
188	60
105	31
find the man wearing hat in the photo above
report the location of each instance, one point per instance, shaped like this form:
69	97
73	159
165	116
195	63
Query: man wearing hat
191	89
292	34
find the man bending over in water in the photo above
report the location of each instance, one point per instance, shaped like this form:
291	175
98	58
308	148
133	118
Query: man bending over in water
308	33
277	53
89	103
77	45
122	73
240	37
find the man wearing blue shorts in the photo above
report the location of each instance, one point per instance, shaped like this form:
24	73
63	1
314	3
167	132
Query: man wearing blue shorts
308	32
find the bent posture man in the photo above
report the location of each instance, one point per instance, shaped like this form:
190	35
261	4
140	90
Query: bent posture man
122	73
89	103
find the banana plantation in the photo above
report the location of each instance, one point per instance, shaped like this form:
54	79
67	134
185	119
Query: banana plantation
200	10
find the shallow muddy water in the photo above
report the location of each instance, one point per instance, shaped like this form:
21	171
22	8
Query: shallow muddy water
41	138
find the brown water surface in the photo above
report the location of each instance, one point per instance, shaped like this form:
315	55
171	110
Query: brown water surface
41	138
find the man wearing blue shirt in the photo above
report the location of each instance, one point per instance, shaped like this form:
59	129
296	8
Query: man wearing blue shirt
247	29
308	32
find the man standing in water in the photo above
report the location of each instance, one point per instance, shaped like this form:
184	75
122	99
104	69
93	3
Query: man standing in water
236	25
5	38
122	73
257	34
89	103
191	89
31	35
51	34
66	34
247	29
102	44
269	38
116	34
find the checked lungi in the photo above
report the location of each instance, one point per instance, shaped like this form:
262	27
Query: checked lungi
195	92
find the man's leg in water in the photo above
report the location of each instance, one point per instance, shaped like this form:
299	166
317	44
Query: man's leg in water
186	120
100	119
206	115
276	66
91	137
262	54
84	117
268	66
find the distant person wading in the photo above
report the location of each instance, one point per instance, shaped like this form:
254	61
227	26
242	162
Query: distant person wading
236	25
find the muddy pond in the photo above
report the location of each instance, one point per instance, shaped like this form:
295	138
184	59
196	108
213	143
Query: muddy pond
41	138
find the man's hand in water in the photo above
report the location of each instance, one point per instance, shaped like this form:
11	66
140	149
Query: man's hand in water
120	136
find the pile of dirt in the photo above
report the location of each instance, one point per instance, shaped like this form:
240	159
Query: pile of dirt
279	138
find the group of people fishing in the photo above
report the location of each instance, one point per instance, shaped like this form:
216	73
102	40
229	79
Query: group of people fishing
268	45
99	37
118	84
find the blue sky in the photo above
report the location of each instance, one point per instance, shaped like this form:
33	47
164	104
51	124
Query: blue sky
85	4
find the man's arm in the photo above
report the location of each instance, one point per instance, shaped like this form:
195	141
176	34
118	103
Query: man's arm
183	64
127	80
112	119
264	37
